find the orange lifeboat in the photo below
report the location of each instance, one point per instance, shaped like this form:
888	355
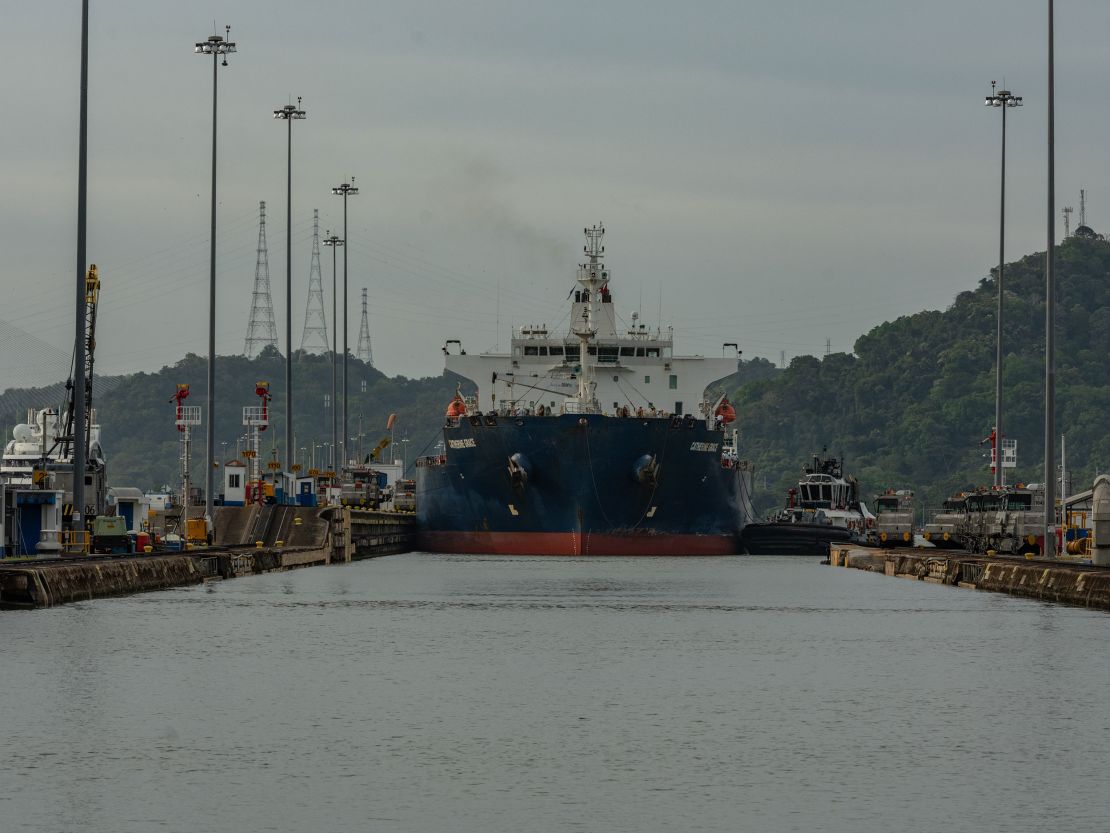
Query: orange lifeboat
457	407
726	412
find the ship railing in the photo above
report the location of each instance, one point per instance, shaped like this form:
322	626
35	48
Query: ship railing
573	406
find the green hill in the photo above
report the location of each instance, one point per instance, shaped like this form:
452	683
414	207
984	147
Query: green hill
137	418
909	407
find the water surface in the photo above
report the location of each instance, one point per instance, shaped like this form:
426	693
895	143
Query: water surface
427	693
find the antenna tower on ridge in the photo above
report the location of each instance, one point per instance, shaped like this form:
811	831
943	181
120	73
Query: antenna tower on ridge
1067	211
314	339
261	330
1082	206
364	352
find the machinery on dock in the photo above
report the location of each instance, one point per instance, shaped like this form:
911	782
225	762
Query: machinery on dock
943	530
1006	520
894	518
109	535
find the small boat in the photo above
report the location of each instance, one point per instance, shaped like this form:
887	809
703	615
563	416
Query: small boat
824	509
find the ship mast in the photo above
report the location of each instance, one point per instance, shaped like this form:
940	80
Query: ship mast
594	278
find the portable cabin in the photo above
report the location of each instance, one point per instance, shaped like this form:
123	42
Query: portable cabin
131	505
235	483
31	520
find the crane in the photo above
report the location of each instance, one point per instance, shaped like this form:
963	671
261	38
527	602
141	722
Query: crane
92	298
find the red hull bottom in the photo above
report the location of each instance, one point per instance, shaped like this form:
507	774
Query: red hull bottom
573	543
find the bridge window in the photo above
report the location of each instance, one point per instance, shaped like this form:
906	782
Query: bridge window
557	350
530	350
628	351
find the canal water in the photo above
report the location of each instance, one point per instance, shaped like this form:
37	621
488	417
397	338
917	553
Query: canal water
449	693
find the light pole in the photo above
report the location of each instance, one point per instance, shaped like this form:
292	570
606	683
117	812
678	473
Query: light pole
217	47
1050	317
1003	99
334	241
80	416
347	189
289	113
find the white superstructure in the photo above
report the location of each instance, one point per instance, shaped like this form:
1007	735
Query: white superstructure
40	440
597	364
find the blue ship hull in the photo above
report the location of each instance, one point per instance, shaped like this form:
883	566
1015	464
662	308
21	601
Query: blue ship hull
581	485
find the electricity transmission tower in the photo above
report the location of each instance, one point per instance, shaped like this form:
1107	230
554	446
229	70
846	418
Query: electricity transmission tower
315	336
364	351
261	331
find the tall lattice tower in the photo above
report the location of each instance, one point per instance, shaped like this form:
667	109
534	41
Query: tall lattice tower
261	331
315	336
364	351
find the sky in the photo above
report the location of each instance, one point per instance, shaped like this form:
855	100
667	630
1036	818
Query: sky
783	175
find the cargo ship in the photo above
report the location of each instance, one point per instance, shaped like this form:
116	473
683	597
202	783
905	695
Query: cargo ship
598	440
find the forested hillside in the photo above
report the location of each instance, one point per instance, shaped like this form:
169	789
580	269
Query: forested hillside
909	407
137	418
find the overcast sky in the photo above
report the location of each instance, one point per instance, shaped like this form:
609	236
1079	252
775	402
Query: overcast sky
779	173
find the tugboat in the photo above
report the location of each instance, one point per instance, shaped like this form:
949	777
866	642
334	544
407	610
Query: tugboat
824	509
592	442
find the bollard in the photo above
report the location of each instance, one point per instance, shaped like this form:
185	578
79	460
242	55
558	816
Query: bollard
279	543
258	545
148	548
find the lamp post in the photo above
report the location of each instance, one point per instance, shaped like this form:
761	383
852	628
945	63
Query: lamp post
289	113
1003	99
1050	317
80	416
347	189
217	47
334	241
